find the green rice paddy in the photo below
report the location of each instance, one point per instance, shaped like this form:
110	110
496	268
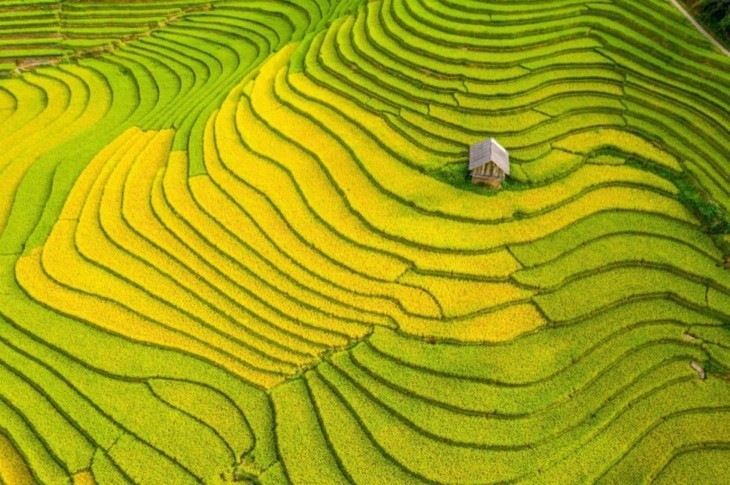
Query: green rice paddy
237	242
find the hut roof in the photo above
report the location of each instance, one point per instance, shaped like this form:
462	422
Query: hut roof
488	151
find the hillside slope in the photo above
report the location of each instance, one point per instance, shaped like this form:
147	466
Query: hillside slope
236	241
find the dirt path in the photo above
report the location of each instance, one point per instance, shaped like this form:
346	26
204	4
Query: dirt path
700	28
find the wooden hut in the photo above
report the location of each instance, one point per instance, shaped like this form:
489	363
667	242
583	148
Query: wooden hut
488	163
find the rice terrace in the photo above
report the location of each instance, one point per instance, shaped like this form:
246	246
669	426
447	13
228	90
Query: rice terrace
364	241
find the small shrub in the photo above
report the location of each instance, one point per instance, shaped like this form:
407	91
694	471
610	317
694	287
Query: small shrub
716	15
714	218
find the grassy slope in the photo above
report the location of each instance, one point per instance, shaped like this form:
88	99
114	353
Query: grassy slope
258	189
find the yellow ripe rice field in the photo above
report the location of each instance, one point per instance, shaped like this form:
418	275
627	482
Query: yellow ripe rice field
239	243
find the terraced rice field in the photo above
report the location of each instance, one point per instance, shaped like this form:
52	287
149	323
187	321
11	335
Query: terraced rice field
236	242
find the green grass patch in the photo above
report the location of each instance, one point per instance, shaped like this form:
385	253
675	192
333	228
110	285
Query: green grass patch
714	218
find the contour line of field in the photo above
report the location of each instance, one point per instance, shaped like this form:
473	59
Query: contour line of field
701	29
30	63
